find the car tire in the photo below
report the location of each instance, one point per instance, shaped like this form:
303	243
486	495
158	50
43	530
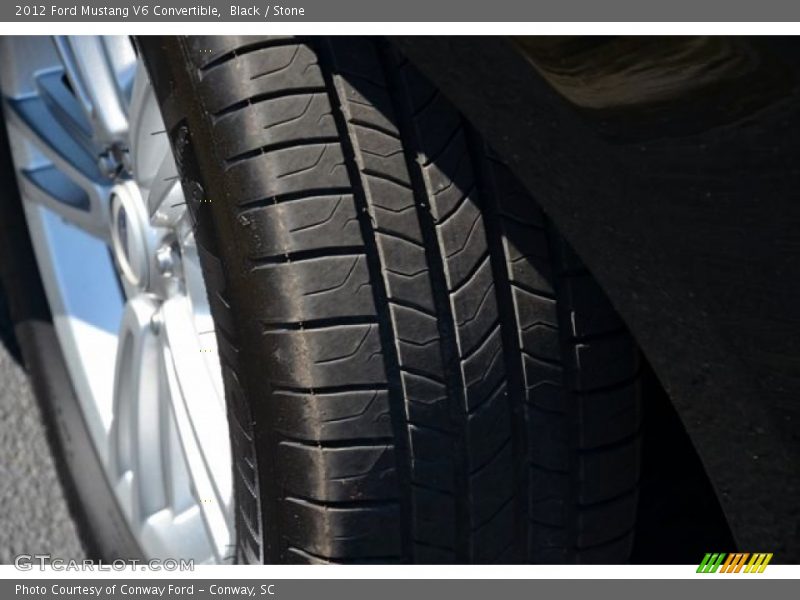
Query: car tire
417	366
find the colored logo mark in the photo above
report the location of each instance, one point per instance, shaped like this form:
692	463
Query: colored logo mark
734	563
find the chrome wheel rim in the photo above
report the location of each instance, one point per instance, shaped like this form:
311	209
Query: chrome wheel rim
115	247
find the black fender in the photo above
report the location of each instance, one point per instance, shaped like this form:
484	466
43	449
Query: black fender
671	165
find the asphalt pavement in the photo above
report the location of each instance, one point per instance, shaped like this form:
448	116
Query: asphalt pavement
34	517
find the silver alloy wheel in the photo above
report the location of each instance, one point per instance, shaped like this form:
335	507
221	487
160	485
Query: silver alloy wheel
115	247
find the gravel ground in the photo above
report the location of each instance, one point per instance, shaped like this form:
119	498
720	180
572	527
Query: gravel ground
33	512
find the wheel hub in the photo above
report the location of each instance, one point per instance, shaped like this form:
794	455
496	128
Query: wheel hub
129	235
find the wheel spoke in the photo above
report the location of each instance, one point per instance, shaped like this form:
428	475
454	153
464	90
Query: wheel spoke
66	178
187	536
136	432
71	125
43	123
148	141
176	473
93	69
165	202
198	417
153	166
85	209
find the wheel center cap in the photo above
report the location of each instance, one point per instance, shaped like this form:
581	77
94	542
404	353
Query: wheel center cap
129	234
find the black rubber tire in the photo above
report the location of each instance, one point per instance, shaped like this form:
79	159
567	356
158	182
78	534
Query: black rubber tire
418	369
